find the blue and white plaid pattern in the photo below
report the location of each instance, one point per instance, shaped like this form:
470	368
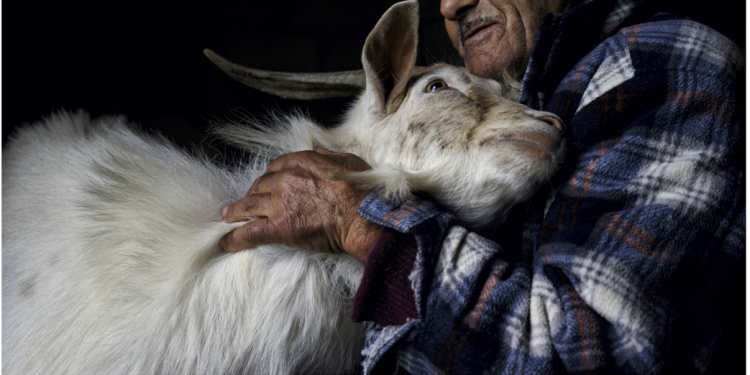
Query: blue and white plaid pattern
398	216
634	266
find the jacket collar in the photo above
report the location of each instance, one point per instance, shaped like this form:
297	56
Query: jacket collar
565	38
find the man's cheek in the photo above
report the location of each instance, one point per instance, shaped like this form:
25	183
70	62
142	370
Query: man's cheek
452	28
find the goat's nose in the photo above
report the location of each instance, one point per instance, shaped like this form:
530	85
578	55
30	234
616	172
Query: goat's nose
552	120
455	9
547	117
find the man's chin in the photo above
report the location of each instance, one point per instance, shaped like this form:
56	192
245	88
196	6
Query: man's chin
487	66
495	65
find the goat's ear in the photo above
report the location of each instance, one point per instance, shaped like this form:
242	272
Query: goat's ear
390	52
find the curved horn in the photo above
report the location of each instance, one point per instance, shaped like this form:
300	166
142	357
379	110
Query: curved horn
303	86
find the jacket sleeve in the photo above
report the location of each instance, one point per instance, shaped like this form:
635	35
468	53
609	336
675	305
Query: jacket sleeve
637	266
384	295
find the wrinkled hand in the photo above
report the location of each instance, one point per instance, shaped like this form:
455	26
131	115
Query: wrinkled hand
297	204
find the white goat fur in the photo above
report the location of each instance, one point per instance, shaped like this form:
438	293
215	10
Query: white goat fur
111	262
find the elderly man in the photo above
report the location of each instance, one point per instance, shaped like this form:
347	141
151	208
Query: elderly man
632	265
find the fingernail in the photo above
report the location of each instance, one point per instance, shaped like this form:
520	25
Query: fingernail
224	212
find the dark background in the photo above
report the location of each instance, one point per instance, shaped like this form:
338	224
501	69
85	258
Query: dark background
145	60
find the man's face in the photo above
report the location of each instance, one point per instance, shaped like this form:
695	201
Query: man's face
495	35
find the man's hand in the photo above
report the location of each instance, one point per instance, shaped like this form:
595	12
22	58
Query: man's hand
297	204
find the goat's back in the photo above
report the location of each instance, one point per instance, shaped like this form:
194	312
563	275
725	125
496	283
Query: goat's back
111	265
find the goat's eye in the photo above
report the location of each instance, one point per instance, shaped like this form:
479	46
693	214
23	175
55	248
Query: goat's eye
435	86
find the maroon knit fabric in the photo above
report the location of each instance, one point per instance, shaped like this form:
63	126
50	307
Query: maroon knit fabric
385	295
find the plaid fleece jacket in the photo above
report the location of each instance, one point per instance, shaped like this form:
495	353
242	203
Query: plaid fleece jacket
638	264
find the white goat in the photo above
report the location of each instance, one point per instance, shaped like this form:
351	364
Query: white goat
110	255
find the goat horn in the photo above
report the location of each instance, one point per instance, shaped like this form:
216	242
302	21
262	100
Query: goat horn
303	86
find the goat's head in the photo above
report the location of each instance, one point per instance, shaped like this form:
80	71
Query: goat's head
440	130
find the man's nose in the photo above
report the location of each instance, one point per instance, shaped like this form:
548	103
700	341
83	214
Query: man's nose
455	9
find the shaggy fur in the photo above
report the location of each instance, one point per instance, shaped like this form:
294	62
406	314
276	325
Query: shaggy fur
111	262
111	265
